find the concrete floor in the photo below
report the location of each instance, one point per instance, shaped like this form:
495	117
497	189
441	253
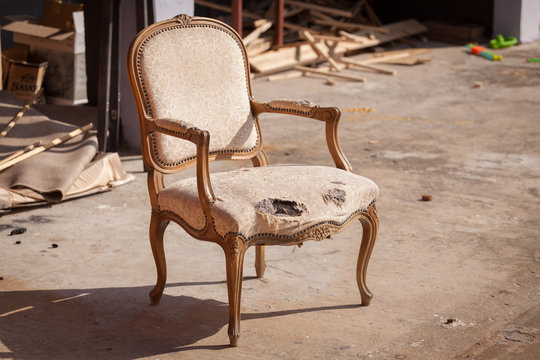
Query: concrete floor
472	254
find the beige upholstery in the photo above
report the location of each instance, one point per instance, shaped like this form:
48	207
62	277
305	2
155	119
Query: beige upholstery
246	199
197	74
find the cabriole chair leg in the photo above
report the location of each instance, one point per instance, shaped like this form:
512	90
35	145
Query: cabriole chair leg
234	258
370	225
157	229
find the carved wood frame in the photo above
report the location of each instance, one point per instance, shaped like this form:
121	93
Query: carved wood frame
234	245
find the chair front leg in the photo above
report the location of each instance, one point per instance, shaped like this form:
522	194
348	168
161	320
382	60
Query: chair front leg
235	249
157	228
370	225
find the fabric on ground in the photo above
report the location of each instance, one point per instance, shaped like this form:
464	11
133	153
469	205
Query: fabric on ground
68	170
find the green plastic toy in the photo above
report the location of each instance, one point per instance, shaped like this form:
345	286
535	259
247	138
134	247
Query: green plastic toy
502	42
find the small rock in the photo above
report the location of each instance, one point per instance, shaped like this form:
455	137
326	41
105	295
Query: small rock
478	85
18	242
54	246
329	81
1	278
427	197
452	323
17	231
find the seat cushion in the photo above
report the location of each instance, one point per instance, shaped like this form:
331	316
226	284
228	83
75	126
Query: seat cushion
275	201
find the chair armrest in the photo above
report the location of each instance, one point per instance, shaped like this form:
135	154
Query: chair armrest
301	108
201	138
330	115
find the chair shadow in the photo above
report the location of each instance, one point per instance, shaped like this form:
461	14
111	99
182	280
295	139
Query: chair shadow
114	323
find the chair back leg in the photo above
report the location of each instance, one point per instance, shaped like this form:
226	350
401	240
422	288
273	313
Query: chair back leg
260	263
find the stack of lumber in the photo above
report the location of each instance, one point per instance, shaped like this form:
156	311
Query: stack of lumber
321	32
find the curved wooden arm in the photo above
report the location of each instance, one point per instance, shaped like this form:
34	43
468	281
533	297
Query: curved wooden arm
201	138
330	115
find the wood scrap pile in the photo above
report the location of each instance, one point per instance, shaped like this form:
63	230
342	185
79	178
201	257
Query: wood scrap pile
318	35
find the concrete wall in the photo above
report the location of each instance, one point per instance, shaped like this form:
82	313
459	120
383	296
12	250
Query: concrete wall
519	18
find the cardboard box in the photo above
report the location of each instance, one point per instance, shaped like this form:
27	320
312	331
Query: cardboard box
22	75
65	80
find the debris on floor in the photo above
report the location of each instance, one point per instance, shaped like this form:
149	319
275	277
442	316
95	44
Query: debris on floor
17	231
427	197
481	51
319	35
451	322
33	145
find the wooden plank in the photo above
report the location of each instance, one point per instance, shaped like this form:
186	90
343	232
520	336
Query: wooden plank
20	152
332	38
257	32
324	9
328	73
287	58
381	59
292	12
286	75
258	47
20	114
292	26
369	67
36	150
350	26
283	59
416	51
397	30
319	50
355	38
389	56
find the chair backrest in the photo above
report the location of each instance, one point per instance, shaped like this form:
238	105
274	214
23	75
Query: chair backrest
193	70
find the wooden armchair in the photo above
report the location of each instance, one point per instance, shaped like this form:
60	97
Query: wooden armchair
190	79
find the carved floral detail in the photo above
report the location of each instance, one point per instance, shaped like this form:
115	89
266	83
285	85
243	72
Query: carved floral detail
183	19
319	233
235	243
